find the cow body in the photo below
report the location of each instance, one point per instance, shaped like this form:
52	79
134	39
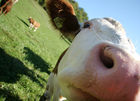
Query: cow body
100	65
33	24
6	6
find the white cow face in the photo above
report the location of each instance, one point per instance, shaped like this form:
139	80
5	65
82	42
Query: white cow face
100	65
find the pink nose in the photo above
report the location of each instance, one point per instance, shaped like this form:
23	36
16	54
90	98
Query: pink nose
116	73
109	57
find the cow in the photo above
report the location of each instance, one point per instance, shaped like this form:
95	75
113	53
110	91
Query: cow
6	6
33	24
101	64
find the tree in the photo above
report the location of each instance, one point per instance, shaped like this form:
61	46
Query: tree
80	13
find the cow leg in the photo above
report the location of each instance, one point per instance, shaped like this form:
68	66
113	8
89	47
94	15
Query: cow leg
0	11
35	29
31	26
4	4
4	12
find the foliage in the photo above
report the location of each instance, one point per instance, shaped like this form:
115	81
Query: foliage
80	13
26	57
42	3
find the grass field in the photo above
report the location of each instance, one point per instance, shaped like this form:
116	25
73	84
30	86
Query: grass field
27	57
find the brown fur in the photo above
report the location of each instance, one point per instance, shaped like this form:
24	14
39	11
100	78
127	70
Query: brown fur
55	70
35	23
63	9
6	7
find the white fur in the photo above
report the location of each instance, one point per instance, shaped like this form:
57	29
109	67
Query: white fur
32	26
101	31
104	30
53	89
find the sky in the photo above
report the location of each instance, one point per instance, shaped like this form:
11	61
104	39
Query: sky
127	12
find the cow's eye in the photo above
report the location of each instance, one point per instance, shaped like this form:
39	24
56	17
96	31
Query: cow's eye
86	25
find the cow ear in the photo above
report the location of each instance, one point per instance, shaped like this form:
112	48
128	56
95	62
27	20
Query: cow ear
63	17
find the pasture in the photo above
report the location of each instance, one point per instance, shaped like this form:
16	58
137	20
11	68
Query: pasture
27	57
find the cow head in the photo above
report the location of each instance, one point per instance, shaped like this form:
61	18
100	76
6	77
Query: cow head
100	65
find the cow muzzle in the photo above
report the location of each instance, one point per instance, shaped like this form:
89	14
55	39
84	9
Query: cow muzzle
109	74
113	74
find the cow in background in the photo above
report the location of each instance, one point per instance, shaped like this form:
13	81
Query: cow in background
33	24
6	6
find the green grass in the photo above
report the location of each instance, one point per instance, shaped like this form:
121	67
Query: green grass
27	57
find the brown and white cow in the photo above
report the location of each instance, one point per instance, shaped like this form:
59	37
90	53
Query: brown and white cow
100	65
6	6
33	24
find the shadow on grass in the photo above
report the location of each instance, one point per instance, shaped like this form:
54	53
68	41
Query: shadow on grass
8	96
23	21
11	69
66	40
35	59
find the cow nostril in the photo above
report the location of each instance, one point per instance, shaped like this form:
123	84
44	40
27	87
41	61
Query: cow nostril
106	58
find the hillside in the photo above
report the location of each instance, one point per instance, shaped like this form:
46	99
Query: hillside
26	57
